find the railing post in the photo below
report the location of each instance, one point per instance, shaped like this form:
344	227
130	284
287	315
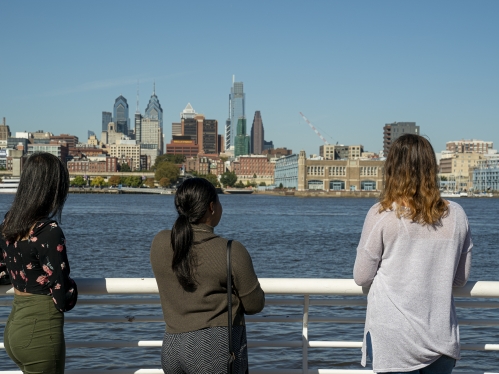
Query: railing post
306	302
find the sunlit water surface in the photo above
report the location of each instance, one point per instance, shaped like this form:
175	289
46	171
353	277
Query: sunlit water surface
288	237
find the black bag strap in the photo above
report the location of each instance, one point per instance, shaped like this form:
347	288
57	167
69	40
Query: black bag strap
229	307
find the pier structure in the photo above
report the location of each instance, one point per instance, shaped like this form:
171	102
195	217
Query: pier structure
310	292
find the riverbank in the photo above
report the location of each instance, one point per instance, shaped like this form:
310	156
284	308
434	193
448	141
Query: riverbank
321	193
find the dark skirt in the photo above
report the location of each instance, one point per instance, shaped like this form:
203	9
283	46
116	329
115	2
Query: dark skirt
204	351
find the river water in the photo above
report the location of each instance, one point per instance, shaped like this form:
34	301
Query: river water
287	237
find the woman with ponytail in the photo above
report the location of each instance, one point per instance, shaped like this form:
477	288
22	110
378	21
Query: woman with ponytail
190	266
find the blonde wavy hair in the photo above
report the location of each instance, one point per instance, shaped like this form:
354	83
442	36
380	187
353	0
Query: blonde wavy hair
411	181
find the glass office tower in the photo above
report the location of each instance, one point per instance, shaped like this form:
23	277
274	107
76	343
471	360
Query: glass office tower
120	115
236	111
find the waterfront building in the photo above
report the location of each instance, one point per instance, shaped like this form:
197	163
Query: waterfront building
255	169
340	151
456	170
236	111
469	146
486	174
286	171
106	118
59	150
153	113
320	174
257	134
127	150
95	164
242	142
392	131
120	115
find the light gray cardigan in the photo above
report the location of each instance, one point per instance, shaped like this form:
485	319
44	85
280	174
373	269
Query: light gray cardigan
411	269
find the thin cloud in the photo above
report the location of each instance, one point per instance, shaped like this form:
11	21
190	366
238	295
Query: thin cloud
109	83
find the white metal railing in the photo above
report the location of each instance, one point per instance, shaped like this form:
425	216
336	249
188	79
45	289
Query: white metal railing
272	286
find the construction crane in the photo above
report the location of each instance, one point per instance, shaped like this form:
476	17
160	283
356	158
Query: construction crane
313	128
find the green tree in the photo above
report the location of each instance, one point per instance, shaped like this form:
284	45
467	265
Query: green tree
164	182
125	167
167	170
212	178
114	180
133	181
262	184
281	186
239	184
228	179
79	181
97	182
174	159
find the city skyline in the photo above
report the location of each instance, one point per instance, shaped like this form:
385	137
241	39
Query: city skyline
350	68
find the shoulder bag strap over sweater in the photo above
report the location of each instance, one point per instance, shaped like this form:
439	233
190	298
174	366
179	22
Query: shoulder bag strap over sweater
232	357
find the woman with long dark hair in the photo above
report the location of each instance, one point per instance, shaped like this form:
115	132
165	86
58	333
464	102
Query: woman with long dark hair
190	265
415	246
34	249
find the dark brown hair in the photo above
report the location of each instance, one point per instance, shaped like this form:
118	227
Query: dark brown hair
192	200
411	180
42	192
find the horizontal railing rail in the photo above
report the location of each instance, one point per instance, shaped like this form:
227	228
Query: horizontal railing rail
272	286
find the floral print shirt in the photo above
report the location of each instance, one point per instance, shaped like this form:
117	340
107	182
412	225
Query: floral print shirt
39	265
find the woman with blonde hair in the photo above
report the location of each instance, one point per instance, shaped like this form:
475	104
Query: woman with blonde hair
415	246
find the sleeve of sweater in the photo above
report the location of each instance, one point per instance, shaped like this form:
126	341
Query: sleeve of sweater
369	250
245	280
464	265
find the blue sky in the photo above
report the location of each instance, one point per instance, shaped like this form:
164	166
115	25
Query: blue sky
349	66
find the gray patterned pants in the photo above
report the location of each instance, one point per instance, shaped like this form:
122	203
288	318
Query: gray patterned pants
204	351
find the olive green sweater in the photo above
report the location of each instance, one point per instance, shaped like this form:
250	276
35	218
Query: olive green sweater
207	305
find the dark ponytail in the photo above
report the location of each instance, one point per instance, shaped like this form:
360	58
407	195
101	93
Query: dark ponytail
192	199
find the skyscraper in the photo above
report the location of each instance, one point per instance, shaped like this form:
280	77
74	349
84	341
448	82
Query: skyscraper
120	115
391	131
236	111
257	134
106	118
242	141
154	123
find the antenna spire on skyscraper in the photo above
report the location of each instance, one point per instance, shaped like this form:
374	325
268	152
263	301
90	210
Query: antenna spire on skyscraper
154	88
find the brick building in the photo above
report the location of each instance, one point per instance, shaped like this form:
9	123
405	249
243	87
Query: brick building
255	168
